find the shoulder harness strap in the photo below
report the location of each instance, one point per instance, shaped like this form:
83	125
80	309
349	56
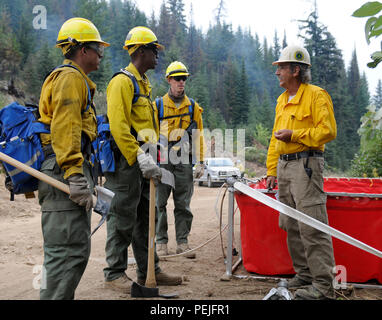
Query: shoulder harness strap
191	108
159	104
135	84
88	105
161	112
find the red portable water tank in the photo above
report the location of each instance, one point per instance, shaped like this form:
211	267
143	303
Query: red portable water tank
350	210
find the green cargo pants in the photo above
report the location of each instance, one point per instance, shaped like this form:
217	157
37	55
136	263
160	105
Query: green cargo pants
310	249
66	231
128	220
182	194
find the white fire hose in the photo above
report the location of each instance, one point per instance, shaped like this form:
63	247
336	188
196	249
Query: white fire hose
295	214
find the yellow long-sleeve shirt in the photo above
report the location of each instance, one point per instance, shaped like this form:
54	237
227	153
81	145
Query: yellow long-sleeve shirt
310	116
63	99
131	125
173	128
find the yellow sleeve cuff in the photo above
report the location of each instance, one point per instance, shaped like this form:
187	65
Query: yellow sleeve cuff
272	173
73	170
294	136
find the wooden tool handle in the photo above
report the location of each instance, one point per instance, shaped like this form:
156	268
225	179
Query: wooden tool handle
39	175
150	277
35	173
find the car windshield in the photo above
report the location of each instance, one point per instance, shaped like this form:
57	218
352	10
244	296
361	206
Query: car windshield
220	163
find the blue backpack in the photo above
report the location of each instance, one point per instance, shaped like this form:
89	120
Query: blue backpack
20	139
104	145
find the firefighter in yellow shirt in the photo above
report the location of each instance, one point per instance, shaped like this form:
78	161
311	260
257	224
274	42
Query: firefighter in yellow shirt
66	106
182	146
304	123
133	125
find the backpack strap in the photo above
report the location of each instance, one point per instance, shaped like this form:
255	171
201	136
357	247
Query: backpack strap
88	105
191	108
137	94
159	103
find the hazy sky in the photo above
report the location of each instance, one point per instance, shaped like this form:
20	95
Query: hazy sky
264	17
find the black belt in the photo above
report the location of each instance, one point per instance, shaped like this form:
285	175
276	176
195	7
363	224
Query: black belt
299	155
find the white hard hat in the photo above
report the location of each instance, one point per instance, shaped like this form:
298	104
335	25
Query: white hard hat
294	53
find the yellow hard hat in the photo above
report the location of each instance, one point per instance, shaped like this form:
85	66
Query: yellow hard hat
140	36
77	30
176	68
294	54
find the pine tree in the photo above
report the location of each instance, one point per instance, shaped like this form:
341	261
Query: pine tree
276	50
38	65
25	35
267	110
177	19
243	95
220	12
10	55
217	38
377	98
117	16
364	95
197	88
354	76
285	43
254	117
231	110
328	72
359	99
193	54
95	11
164	25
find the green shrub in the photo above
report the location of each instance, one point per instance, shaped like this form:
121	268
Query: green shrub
256	155
368	162
263	135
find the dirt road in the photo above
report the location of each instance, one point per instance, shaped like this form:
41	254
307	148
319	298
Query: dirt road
21	256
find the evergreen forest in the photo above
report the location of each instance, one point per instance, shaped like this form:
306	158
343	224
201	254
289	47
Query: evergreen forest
232	76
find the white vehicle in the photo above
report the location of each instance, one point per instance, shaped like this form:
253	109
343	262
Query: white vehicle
217	170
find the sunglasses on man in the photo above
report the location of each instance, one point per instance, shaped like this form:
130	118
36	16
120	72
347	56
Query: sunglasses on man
153	48
179	78
99	49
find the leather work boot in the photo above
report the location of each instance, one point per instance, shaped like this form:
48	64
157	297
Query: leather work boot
122	284
183	247
162	249
311	293
296	283
163	279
